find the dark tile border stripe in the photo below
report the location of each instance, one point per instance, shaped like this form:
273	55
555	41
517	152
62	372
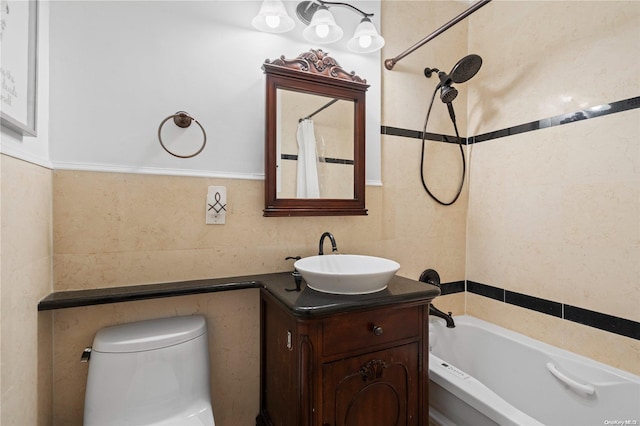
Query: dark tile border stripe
486	290
558	120
415	134
321	159
610	323
335	160
452	287
602	321
534	303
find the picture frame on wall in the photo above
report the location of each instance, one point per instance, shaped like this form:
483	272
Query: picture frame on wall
18	65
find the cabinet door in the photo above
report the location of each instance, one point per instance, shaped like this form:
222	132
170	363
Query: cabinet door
378	388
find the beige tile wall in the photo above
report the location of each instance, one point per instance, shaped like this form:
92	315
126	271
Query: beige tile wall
547	58
406	96
25	278
406	90
554	213
117	229
558	218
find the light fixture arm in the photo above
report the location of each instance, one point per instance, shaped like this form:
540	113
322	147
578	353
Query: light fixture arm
306	9
364	14
322	28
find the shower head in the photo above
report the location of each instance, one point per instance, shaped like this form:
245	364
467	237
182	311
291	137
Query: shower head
448	93
466	68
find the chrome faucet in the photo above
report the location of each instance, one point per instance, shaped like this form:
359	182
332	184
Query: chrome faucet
334	247
447	317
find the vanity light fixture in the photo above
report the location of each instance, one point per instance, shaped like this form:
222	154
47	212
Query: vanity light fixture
366	38
273	18
322	27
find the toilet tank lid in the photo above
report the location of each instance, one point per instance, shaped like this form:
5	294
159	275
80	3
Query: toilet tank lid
150	334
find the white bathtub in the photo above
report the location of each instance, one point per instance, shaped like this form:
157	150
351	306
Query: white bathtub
482	374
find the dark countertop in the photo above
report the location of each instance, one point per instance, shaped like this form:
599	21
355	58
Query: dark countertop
99	296
307	302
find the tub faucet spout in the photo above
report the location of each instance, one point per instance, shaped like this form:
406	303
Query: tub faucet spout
447	317
334	246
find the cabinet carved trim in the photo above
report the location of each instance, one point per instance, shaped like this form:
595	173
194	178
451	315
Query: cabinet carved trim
306	379
372	370
351	399
393	412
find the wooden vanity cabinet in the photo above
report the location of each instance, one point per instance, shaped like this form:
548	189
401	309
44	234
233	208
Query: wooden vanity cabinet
361	366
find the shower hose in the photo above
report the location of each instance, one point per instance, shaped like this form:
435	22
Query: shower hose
424	137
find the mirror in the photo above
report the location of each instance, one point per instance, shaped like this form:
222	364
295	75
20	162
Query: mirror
315	138
327	124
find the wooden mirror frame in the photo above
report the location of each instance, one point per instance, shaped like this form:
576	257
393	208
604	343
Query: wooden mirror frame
316	73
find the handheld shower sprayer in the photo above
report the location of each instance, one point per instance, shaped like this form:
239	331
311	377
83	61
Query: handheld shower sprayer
461	72
448	94
464	70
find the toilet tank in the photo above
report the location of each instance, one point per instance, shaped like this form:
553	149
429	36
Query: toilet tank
153	372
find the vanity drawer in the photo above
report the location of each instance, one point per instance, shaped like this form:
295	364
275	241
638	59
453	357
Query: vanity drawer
344	333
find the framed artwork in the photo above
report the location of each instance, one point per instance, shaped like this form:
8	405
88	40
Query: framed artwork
18	65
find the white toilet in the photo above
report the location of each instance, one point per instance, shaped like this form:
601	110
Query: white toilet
147	373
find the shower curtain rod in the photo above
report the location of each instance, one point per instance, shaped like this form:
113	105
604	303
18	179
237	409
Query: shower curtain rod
319	109
389	63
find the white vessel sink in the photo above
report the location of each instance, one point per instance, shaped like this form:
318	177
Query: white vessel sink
346	273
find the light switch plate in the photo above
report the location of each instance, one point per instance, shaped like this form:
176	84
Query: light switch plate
216	210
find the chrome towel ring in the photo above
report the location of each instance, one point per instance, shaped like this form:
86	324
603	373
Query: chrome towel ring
182	119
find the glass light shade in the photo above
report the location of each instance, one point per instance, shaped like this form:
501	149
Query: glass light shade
323	28
273	18
366	38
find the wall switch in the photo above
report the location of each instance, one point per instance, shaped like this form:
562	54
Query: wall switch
216	210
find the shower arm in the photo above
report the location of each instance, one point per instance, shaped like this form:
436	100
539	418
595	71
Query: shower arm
389	63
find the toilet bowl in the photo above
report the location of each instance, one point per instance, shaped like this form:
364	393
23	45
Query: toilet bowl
150	373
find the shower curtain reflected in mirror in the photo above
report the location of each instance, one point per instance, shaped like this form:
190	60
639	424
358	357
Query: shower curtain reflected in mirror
307	172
